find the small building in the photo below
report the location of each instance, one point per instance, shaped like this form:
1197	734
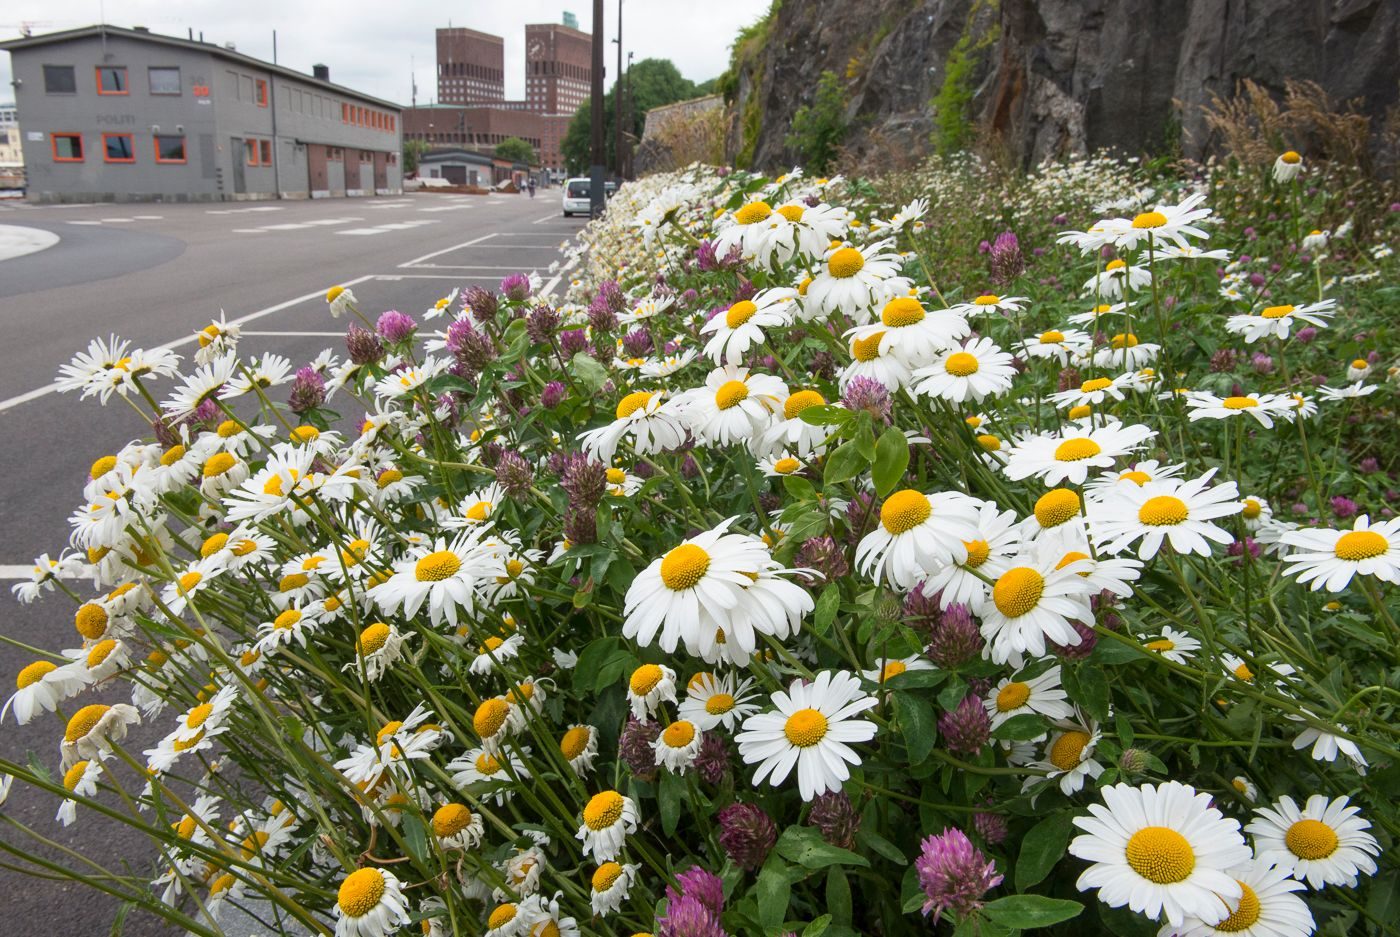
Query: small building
113	114
458	167
11	151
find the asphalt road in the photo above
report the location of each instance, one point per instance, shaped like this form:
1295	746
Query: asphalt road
155	274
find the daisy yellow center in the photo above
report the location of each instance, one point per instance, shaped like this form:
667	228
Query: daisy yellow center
388	477
217	464
1163	511
1124	340
868	348
184	745
1095	383
361	891
74	775
222	884
575	742
189	580
987	299
753	212
800	401
34	673
1160	645
606	875
437	566
1243	917
904	510
739	313
786	465
304	433
731	394
487	764
1311	839
172	455
1150	219
333	293
252	845
91	621
293	581
1056	506
805	728
1080	411
1239	403
679	734
1067	749
1357	545
961	364
1135	476
632	403
1115	264
988	442
977	553
902	311
1076	450
719	704
1251	509
213	544
1161	855
479	512
1291	156
199	715
1052	337
84	721
273	486
645	678
374	637
1013	696
451	819
684	566
490	716
792	213
102	466
603	810
1073	556
1018	591
892	669
1360	364
1276	312
846	262
616	476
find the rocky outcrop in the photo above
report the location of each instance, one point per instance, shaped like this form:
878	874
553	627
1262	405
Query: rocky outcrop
1054	77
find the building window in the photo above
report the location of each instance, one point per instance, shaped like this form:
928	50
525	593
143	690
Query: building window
266	147
118	148
250	152
111	79
345	113
262	92
67	147
59	79
170	148
164	79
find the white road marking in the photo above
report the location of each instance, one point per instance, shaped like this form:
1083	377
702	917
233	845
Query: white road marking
250	317
239	211
436	276
16	570
446	250
85	222
512	247
296	225
550	217
299	334
447	207
385	228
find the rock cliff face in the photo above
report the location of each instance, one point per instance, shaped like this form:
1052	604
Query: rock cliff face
1054	77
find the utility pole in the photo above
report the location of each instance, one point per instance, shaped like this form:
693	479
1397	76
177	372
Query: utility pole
617	99
272	107
596	171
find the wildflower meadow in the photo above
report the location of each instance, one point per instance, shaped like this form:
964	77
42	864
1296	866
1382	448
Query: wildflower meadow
954	551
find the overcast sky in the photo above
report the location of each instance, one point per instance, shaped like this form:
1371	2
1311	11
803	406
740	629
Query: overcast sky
369	44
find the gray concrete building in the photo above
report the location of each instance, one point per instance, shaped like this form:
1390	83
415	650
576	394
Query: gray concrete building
112	114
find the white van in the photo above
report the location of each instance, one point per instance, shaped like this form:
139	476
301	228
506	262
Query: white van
576	196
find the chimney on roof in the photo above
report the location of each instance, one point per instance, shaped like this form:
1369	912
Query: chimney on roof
323	72
140	29
231	46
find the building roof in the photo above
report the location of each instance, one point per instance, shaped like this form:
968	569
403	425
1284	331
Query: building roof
455	155
218	51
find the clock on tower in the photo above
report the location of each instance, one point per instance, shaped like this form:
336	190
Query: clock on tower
536	49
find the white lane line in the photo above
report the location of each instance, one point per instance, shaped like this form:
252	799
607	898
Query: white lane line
18	571
446	250
299	334
239	211
548	288
84	222
549	217
437	276
250	317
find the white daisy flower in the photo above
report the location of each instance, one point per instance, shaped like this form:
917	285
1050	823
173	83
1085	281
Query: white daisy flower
448	578
1057	345
1165	223
989	303
1323	843
1263	407
1116	279
712	702
1125	351
734	406
456	826
1034	601
853	280
40	687
1255	512
497	771
868	360
911	333
1041	694
1267	907
677	745
1287	167
1326	746
1093	316
974	371
888	668
918	533
81	781
780	465
645	419
92	729
217	339
1069	454
744	325
1350	392
789	432
370	903
811	731
204	384
998	539
610	886
379	645
493	651
607	819
579	746
1176	646
1278	321
339	299
1097	390
1069	756
1162	850
649	686
1179	511
1330	558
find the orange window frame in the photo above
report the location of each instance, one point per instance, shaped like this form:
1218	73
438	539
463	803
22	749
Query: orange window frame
265	151
261	86
126	80
131	145
250	152
184	148
53	148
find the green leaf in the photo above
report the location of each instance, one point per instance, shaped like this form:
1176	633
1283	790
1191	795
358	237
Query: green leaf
877	843
415	837
1088	687
952	694
916	680
1041	848
617	664
516	341
805	846
824	415
588	371
1028	911
817	927
844	463
828	603
917	723
773	891
838	895
1020	728
799	488
891	459
670	795
591	658
865	437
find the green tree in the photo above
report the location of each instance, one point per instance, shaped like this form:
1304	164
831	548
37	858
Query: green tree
413	151
515	150
818	128
651	83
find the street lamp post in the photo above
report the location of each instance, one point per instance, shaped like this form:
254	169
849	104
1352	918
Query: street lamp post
596	171
617	99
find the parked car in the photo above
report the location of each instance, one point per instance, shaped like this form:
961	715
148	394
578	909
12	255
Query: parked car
576	197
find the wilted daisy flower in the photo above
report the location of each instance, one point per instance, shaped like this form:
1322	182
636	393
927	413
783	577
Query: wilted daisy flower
734	406
649	686
493	651
677	745
609	887
1162	850
378	646
1069	454
579	746
743	325
711	701
1040	694
40	687
810	732
1323	843
370	903
1179	511
1287	166
81	781
852	280
339	299
607	819
446	578
456	826
1034	601
216	340
1175	646
92	729
1330	558
1263	407
974	371
918	533
649	422
1326	746
912	334
1116	278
